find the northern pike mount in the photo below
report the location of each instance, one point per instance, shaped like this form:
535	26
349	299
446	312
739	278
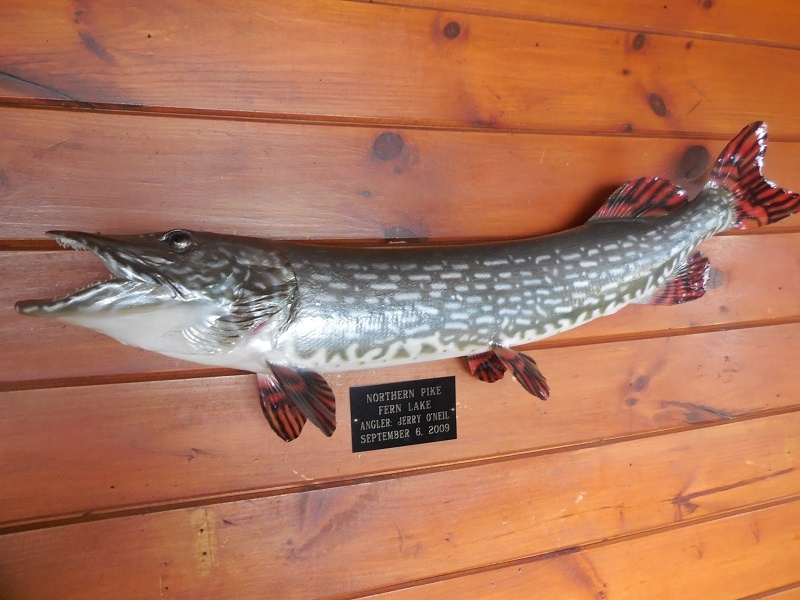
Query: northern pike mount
287	310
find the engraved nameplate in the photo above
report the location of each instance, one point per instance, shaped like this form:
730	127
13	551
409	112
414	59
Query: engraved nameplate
403	413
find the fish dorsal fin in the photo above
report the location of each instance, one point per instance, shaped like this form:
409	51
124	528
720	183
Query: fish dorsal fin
643	197
688	282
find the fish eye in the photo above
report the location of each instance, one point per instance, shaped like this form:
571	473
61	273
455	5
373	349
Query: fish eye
178	239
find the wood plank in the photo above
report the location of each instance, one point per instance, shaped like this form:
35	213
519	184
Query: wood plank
95	449
741	20
753	286
433	524
729	558
790	593
341	60
121	173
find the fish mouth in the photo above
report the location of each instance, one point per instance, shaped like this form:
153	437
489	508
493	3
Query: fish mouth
134	280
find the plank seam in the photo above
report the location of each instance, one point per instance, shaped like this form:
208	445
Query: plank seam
344	121
663	333
770	593
50	521
620	539
674	33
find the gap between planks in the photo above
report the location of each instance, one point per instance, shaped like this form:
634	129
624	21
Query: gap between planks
620	539
249	495
611	541
345	121
775	592
494	13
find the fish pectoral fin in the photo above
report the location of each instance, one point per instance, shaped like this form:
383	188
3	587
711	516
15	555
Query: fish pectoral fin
688	282
643	197
486	366
283	416
309	393
525	371
252	309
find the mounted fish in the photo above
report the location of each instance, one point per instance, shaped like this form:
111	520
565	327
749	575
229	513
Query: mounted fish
288	310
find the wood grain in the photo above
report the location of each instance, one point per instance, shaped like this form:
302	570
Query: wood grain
355	61
98	449
665	464
428	525
757	279
61	170
736	557
737	20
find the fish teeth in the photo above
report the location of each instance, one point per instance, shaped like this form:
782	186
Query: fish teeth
69	244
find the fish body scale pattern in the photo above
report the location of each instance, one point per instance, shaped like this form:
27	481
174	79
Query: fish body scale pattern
392	306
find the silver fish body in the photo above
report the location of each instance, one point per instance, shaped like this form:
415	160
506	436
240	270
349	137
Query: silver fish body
287	310
391	306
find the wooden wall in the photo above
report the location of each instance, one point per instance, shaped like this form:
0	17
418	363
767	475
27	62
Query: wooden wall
665	464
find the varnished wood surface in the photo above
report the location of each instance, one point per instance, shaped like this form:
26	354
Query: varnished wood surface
663	466
745	550
436	524
356	61
737	21
159	442
60	171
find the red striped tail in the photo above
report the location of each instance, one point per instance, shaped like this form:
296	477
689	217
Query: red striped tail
759	202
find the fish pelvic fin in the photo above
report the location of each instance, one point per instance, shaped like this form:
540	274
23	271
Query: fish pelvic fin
642	198
282	415
290	396
486	366
525	371
688	282
757	200
310	393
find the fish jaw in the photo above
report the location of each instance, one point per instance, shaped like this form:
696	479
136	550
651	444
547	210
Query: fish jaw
129	288
131	306
203	297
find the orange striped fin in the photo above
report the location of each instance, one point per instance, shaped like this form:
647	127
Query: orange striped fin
643	197
525	371
284	417
758	201
309	393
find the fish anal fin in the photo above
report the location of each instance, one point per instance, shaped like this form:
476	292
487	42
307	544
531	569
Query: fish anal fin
688	282
643	197
310	394
284	417
525	371
486	366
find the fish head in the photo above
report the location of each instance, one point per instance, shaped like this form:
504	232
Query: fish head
178	293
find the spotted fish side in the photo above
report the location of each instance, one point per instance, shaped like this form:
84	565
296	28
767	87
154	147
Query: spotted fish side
398	306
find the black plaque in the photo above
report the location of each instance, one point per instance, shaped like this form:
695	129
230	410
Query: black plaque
403	413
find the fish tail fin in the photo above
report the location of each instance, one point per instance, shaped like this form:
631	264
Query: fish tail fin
757	200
